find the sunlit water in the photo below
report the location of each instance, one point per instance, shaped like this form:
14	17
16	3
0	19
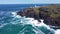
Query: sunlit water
11	23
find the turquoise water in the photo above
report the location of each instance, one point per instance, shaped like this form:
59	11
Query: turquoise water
18	25
12	24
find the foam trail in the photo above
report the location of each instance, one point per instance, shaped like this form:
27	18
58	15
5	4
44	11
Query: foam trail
14	14
30	21
39	31
2	25
43	24
26	21
36	23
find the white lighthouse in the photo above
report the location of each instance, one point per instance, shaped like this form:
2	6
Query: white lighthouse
34	2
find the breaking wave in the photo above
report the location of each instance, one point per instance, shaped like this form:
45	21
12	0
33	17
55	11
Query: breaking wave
33	22
15	24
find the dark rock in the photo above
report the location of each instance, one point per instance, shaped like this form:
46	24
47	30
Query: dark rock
50	14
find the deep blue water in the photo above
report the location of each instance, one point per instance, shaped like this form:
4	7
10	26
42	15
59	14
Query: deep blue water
11	24
14	7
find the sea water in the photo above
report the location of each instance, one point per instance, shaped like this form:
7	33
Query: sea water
11	23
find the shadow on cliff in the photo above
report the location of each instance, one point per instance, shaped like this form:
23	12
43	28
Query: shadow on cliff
51	14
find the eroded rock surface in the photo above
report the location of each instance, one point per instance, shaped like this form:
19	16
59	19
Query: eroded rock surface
51	14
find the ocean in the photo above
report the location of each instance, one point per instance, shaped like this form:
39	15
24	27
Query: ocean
10	23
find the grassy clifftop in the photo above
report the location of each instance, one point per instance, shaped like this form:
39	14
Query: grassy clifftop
50	13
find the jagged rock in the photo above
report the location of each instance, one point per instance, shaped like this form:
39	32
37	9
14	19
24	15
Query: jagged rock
51	14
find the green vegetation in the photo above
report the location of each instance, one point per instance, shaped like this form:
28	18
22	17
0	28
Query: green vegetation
50	13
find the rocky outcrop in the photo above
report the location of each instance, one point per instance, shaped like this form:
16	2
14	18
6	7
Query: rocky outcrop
51	14
29	12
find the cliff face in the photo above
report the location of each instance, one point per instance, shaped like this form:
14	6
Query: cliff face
29	12
51	14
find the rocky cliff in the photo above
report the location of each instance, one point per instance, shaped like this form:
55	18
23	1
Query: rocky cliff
50	13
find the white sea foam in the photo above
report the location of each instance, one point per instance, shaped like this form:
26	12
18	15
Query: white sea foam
31	21
14	13
34	22
57	31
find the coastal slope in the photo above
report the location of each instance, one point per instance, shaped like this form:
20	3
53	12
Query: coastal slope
50	14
